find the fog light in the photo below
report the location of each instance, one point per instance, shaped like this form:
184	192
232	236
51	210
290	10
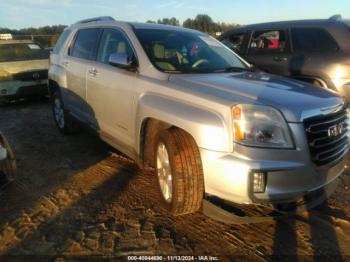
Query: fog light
259	182
3	91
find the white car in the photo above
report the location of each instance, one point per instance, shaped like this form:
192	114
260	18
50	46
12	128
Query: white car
23	69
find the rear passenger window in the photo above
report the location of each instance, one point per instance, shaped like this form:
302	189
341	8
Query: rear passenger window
113	41
85	44
61	41
234	41
312	40
267	41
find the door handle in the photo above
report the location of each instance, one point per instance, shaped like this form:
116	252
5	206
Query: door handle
93	71
280	59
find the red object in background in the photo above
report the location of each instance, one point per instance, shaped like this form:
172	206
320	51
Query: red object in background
273	43
194	49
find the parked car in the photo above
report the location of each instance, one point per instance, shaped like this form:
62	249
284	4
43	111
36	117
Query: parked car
315	51
23	69
7	162
181	102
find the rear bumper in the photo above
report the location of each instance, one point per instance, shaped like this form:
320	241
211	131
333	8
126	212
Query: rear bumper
19	89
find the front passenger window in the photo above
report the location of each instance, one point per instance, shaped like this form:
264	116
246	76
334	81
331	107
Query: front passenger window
113	41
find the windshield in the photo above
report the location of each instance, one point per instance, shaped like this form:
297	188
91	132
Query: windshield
21	52
187	52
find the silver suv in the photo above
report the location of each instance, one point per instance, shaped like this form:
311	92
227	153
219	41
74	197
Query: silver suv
180	101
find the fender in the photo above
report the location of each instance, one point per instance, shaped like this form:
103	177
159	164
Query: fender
207	128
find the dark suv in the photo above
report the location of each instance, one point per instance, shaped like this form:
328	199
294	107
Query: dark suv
316	51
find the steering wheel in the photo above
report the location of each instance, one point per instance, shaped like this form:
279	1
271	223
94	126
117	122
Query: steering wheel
199	62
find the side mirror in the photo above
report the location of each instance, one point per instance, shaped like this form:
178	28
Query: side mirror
121	61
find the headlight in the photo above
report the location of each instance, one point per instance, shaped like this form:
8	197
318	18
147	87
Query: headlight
260	126
4	75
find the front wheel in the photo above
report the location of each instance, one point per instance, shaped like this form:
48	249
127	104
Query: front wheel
65	123
179	171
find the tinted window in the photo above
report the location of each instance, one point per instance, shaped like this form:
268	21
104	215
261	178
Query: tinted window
61	41
86	43
187	52
22	52
268	40
113	41
233	42
312	39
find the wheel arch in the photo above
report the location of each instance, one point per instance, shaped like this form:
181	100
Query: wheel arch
155	113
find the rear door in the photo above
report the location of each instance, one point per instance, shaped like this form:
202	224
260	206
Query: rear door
314	50
80	55
111	90
269	50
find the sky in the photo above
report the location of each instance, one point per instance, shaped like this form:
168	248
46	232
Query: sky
17	14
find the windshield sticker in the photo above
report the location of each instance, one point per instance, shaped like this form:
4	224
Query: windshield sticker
210	41
34	47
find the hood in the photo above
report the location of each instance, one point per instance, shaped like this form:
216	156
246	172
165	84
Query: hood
296	100
23	66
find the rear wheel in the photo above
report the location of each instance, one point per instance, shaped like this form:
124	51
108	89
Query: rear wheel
179	171
8	168
65	123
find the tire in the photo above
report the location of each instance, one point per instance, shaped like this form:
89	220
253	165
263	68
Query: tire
8	168
183	193
65	123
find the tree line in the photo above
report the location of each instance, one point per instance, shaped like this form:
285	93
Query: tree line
48	35
201	22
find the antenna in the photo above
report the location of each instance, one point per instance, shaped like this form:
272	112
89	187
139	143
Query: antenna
95	19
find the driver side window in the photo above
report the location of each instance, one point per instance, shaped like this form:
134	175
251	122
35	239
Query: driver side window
113	41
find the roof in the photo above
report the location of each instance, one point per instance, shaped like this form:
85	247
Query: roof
136	25
290	23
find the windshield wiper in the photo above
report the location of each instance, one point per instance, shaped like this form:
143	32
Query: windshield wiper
232	69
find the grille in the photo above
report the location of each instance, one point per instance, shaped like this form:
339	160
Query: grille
328	137
31	75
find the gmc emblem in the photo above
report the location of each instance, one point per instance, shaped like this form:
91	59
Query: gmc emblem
335	130
36	76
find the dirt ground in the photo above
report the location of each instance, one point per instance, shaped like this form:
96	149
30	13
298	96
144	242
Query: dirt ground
76	198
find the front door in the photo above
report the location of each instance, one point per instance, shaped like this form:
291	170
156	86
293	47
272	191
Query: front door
269	50
111	90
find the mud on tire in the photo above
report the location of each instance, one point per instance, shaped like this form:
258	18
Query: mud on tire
187	172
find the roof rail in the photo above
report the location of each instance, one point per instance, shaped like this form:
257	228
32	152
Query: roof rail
335	17
95	19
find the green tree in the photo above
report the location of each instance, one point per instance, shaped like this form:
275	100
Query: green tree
169	21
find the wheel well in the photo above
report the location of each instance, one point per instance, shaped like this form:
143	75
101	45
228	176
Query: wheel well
148	134
53	87
313	80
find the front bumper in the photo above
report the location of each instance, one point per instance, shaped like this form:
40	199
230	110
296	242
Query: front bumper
19	89
291	174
